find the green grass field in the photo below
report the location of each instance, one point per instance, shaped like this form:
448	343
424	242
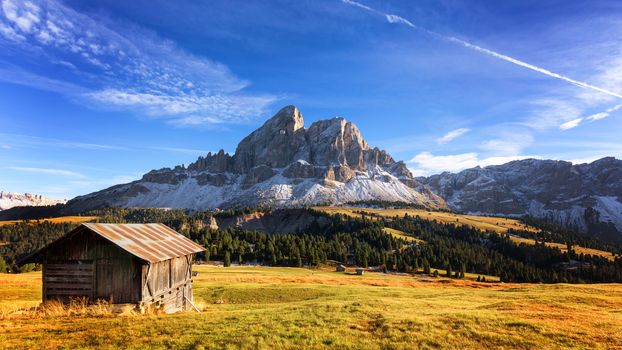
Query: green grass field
290	308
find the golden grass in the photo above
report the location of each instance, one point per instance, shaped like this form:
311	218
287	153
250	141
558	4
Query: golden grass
290	308
564	248
490	223
403	235
58	220
499	225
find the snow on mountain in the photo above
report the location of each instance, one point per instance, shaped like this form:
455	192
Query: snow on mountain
11	199
281	164
581	196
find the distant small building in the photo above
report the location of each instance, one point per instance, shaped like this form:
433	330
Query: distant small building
142	264
360	272
340	268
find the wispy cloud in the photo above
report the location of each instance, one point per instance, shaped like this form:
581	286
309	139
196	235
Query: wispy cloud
118	65
571	124
593	117
357	4
425	163
400	20
47	171
89	185
453	134
508	141
19	140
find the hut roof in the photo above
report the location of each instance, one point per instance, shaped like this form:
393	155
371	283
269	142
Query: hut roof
150	242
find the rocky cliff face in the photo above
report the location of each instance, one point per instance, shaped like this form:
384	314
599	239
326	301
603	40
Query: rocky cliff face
11	199
584	196
281	164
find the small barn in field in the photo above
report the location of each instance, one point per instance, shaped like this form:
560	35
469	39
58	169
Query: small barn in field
142	264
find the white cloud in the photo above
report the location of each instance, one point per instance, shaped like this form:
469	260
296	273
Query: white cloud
47	171
117	65
452	135
399	20
605	114
24	16
428	162
357	4
425	163
571	124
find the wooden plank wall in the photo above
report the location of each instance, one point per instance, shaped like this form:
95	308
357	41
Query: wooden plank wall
168	283
116	273
64	281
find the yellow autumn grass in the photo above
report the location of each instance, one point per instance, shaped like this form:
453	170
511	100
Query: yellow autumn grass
57	220
292	308
483	223
403	235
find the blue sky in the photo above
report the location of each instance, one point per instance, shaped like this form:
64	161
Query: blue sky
97	93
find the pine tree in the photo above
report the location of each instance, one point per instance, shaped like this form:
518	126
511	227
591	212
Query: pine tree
227	260
462	270
3	265
448	270
426	266
273	259
298	259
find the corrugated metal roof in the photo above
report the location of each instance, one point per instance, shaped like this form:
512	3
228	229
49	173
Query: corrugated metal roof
150	242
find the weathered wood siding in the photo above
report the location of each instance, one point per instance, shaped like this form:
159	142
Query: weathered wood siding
63	281
168	284
115	274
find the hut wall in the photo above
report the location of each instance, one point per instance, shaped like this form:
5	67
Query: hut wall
85	265
168	283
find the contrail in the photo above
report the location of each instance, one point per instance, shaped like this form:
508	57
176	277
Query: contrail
400	20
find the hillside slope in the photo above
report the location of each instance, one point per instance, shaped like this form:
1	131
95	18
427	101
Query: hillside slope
587	197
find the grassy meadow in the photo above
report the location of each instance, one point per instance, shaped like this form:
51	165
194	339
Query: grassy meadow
57	220
293	308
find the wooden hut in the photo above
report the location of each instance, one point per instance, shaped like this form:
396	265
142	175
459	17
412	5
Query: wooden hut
142	264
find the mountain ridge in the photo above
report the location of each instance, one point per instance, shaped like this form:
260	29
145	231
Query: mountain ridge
281	164
13	199
586	197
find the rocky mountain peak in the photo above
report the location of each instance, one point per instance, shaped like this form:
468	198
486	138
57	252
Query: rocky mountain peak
282	163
